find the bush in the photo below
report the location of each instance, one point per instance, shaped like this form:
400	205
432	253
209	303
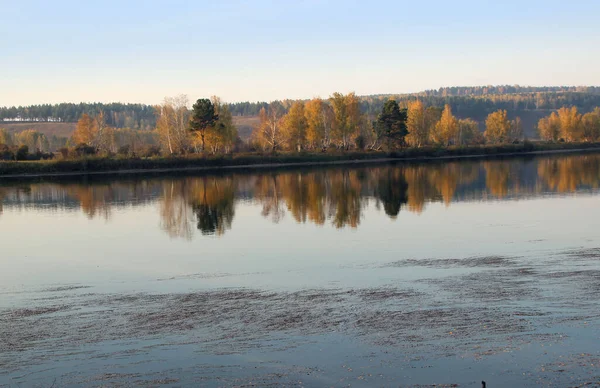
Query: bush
22	153
6	153
82	150
149	151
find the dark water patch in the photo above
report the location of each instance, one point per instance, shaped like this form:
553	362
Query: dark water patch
489	286
583	254
65	288
32	312
468	262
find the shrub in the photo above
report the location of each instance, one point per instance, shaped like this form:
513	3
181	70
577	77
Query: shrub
22	153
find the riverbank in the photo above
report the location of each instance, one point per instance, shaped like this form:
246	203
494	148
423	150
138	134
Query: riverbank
98	165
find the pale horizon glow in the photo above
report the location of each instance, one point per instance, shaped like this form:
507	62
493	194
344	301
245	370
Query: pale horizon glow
262	50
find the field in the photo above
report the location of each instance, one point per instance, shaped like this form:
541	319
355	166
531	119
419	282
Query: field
48	129
245	125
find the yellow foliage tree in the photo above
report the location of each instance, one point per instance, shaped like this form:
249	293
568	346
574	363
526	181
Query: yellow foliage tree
591	125
416	126
570	124
294	126
84	131
446	130
497	127
5	137
319	118
549	128
269	132
347	118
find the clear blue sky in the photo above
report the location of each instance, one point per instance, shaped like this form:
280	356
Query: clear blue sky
142	51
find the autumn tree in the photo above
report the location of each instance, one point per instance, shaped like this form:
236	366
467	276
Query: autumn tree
497	127
469	133
294	126
33	140
84	131
269	132
5	137
415	125
591	125
172	123
203	118
391	124
549	127
104	135
223	134
570	124
446	130
515	132
319	119
347	118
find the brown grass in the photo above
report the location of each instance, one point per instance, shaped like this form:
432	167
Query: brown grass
48	129
245	125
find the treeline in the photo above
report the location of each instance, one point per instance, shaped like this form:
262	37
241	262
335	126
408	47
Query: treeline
208	127
567	124
505	89
118	115
338	123
468	102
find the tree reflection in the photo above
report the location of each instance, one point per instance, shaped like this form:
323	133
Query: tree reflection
335	196
213	204
392	191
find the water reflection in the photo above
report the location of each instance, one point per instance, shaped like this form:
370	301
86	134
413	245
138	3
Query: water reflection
335	196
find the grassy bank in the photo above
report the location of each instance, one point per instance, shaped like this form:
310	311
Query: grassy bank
119	165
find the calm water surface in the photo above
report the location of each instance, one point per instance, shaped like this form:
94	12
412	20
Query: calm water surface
388	275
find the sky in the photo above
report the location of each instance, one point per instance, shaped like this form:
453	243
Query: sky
261	50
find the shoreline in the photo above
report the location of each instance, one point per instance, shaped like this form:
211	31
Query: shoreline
277	165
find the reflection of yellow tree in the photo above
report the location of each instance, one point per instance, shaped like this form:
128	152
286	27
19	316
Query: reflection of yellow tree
567	174
267	192
175	210
497	177
345	201
94	200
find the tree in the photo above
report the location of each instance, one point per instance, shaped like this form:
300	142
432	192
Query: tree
84	131
416	125
570	124
319	119
497	127
269	131
391	124
203	117
5	137
432	114
446	130
549	127
34	140
591	125
469	133
223	134
515	132
172	124
295	125
104	135
347	118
